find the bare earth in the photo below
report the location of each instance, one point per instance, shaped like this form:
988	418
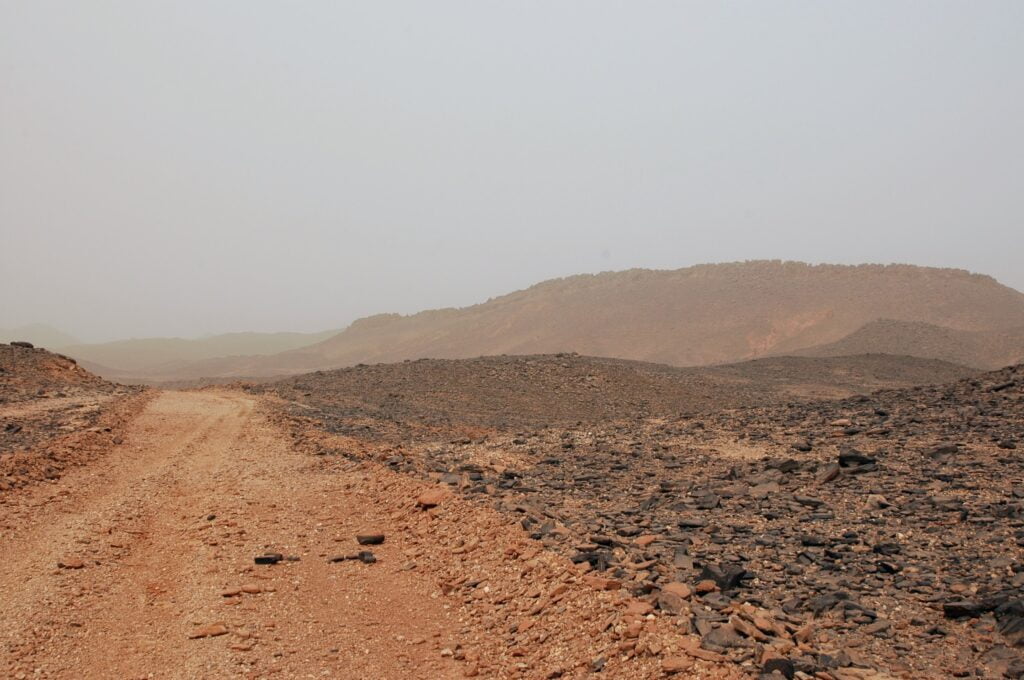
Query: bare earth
139	563
638	547
168	522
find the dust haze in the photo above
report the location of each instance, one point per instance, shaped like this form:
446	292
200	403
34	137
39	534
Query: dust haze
511	340
178	169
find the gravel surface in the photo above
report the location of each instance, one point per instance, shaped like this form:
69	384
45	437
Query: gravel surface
873	536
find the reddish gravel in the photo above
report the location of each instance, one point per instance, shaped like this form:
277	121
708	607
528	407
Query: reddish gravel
391	526
149	550
54	415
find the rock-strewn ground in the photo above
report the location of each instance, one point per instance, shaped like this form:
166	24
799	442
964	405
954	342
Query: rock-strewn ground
29	373
206	545
541	517
565	389
54	414
874	536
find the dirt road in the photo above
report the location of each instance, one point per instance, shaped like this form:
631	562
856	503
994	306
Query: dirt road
155	533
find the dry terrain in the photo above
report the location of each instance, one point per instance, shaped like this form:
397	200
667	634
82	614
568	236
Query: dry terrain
55	415
154	359
537	390
982	349
697	316
877	535
700	315
522	517
145	563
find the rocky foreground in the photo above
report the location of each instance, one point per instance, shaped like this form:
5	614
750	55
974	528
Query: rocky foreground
874	536
54	414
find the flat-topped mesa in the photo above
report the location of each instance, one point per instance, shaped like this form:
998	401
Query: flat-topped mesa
699	315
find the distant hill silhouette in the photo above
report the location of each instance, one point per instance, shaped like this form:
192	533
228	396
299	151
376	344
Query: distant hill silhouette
146	357
38	334
986	349
700	315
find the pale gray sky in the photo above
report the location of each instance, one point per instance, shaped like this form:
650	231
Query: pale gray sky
178	168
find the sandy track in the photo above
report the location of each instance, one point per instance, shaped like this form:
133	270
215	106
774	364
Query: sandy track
155	566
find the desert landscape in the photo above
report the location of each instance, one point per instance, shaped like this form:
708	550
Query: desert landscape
521	340
707	314
814	515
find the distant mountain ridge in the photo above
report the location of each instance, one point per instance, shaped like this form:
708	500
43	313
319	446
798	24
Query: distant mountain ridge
705	314
990	349
144	357
38	334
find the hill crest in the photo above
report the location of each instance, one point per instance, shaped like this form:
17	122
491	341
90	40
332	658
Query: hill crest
697	315
986	349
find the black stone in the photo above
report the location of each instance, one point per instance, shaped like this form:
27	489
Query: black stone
726	577
966	608
780	665
850	457
813	540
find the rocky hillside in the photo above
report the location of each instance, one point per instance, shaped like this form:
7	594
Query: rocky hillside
700	315
28	373
567	388
987	349
54	414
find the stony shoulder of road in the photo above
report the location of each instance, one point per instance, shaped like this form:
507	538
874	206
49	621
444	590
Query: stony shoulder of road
54	415
874	536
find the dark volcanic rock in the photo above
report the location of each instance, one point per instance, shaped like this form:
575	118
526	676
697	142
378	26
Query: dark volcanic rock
370	538
779	665
895	550
726	577
969	608
1010	618
850	457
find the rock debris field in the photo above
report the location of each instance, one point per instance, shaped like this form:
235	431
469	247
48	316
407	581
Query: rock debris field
874	536
516	517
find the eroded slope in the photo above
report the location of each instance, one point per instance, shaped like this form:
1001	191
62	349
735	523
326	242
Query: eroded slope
55	414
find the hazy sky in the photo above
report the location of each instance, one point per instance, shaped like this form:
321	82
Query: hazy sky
178	168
